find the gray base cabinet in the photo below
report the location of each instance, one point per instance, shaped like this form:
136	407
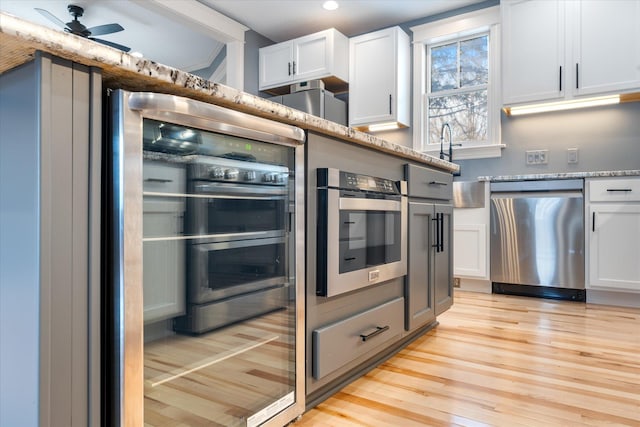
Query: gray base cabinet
429	281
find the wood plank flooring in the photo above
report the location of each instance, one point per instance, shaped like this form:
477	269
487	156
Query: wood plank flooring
497	360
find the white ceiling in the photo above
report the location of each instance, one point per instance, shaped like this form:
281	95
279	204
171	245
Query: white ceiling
281	20
152	30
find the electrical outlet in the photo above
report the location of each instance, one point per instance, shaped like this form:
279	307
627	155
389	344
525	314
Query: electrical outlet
531	157
537	157
572	155
456	282
543	157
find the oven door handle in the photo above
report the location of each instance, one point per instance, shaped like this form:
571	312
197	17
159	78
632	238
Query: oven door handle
234	244
239	191
359	204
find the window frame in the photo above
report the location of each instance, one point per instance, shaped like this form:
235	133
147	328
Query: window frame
468	25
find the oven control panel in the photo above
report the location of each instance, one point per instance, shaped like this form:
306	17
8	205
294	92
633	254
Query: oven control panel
238	171
328	177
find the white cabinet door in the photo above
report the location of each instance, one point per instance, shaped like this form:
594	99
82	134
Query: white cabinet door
324	54
614	247
469	250
533	50
163	261
276	64
606	46
379	78
163	250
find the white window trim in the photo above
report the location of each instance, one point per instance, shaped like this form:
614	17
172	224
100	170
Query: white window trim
484	20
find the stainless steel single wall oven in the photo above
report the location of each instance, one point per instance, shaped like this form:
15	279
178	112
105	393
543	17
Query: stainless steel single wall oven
362	231
205	284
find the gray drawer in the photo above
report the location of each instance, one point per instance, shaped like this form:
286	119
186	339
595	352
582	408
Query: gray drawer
428	183
337	344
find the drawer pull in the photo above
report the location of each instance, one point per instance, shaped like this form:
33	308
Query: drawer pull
437	183
378	331
620	189
160	180
350	258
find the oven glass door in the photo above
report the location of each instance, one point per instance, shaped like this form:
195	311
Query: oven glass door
368	238
218	294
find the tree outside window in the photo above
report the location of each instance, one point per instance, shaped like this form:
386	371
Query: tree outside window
458	78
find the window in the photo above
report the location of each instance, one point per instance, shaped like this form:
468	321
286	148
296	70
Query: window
457	82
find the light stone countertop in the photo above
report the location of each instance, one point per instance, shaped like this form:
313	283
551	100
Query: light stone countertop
19	39
561	175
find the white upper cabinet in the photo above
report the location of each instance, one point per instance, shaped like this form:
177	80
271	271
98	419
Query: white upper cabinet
533	50
317	56
379	78
606	49
557	49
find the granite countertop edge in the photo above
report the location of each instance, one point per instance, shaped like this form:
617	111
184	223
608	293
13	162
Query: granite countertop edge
561	175
20	39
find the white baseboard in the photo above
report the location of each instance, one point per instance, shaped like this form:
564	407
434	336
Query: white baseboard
475	285
622	299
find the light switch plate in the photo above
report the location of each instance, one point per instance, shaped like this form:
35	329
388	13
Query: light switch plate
572	155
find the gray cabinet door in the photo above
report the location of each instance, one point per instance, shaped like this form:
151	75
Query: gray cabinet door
443	259
419	292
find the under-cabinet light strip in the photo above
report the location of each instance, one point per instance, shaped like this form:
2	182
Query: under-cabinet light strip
562	105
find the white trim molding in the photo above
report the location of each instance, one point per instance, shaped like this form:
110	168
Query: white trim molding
484	20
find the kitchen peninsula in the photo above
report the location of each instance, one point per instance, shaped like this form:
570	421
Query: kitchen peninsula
78	184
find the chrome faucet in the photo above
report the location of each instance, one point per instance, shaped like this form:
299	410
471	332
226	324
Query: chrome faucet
442	153
451	144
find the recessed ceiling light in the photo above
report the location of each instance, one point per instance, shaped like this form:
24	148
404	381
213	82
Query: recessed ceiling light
330	5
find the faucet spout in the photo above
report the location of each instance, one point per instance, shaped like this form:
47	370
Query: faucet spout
442	153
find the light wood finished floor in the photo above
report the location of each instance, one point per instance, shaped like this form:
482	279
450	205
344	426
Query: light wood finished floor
503	361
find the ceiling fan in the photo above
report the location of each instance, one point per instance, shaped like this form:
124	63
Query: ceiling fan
77	28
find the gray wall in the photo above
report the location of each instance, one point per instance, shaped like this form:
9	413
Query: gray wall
253	42
19	248
607	138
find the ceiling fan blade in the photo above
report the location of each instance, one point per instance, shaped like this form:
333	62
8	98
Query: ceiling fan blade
51	17
101	30
112	44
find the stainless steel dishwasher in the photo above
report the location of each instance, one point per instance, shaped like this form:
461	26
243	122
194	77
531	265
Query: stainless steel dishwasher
537	238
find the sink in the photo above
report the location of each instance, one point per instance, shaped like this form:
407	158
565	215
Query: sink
468	194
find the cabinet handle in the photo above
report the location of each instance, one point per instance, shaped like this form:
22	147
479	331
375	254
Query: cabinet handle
350	258
437	183
390	112
620	189
289	65
294	67
378	331
159	180
593	222
560	78
441	232
577	76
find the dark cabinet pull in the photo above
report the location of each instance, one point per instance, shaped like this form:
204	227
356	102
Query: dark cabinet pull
350	259
437	233
593	222
437	183
349	222
577	76
294	67
620	189
560	78
441	232
378	331
289	65
390	104
160	180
